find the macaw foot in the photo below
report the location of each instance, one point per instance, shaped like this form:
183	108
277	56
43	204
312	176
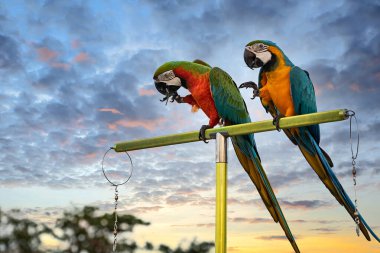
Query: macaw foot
202	133
164	99
252	85
276	121
172	97
177	98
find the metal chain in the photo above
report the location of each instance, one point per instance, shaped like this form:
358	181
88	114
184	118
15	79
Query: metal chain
115	227
351	114
115	224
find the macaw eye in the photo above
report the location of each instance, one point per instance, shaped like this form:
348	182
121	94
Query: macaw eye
260	47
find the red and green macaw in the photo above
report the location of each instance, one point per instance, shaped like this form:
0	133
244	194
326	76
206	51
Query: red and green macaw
216	94
286	90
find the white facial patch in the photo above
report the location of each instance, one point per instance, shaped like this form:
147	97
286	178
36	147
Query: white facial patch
169	78
264	56
261	52
166	76
173	82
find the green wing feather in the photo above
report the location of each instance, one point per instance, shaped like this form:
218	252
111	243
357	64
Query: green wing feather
231	107
198	61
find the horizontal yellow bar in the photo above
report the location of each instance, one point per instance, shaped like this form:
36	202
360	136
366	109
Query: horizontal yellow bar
253	127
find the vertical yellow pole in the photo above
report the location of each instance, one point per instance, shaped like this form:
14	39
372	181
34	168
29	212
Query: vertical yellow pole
221	194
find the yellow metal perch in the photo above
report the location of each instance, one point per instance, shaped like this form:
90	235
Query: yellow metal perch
221	135
254	127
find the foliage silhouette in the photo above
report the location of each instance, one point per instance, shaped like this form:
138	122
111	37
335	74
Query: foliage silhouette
80	231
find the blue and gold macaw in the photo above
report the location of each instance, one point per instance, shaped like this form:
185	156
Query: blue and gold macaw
286	90
216	94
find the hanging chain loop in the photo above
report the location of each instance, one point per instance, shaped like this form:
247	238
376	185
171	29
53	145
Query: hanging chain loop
354	156
115	226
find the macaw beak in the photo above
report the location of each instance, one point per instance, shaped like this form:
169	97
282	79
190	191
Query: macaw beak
168	88
251	60
161	87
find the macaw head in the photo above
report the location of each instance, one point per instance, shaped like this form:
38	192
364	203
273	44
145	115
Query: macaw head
257	53
166	82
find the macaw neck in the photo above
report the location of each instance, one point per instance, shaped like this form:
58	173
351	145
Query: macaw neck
191	72
279	60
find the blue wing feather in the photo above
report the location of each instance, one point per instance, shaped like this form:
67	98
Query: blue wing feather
304	101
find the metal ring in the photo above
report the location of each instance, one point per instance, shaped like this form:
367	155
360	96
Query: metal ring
350	113
105	175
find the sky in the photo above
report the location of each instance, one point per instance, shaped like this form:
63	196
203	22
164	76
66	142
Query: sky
76	77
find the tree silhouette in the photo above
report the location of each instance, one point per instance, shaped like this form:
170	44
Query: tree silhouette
20	235
86	232
80	231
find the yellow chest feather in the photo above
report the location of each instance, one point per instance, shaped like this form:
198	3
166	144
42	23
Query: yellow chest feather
278	85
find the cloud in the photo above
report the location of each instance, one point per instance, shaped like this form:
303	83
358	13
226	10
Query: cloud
46	55
206	225
61	65
326	230
250	220
317	221
304	204
145	209
82	57
147	92
147	124
272	237
111	110
9	53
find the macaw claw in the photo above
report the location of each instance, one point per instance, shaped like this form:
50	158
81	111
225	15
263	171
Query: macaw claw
253	85
164	99
202	133
172	97
276	121
177	98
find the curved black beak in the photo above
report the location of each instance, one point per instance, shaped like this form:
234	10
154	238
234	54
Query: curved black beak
161	87
249	58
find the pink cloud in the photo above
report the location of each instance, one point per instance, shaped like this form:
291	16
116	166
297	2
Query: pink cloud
45	54
75	44
318	90
60	65
355	87
330	86
81	57
145	209
377	76
111	110
147	124
146	92
90	156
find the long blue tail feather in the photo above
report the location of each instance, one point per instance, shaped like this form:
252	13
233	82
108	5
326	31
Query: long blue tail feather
338	185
